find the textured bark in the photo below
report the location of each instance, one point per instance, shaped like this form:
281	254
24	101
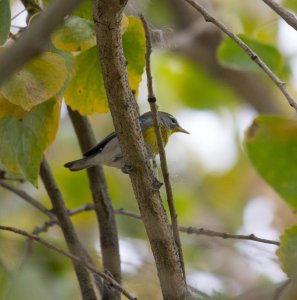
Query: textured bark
73	243
107	18
109	243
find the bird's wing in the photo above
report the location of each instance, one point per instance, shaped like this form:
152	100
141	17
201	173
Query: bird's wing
99	147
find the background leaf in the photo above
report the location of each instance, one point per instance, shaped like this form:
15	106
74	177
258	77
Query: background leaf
36	82
232	56
178	80
5	16
77	34
291	4
23	142
134	51
287	251
271	143
86	92
84	10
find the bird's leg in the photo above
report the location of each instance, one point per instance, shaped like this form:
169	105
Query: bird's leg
126	169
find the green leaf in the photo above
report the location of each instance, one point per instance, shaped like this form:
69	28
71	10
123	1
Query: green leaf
134	51
84	10
86	92
36	82
177	79
69	64
271	143
5	17
232	56
287	252
23	142
77	34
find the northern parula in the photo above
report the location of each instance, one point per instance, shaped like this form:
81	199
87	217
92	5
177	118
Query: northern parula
108	151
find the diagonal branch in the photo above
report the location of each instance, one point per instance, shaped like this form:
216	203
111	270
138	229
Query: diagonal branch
154	109
34	41
28	199
252	54
285	14
223	235
109	241
76	259
184	229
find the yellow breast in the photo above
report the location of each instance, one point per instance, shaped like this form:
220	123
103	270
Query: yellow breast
151	139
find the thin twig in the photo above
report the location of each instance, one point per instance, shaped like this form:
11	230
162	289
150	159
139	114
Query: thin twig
19	13
285	14
223	235
253	55
27	198
47	224
154	109
188	230
280	290
76	259
198	293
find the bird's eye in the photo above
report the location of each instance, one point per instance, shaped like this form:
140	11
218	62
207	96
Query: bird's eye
173	121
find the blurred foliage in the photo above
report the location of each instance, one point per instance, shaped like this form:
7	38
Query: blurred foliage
23	142
287	252
232	56
222	199
179	81
270	141
291	4
5	20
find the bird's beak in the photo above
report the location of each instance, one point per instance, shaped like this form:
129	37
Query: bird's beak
180	129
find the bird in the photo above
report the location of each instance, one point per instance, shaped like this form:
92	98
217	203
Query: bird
108	152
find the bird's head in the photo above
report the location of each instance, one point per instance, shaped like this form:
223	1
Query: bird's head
171	123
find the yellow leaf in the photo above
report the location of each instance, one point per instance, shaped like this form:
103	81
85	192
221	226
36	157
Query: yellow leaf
36	82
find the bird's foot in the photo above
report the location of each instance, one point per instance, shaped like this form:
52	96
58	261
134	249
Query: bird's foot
126	169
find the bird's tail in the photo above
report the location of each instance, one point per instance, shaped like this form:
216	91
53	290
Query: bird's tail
80	164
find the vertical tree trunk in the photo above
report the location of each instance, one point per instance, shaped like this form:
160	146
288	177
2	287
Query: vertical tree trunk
73	243
107	18
109	242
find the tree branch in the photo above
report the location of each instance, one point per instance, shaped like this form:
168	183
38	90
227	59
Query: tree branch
223	235
73	243
34	41
107	18
252	55
285	14
76	259
28	199
109	242
154	109
184	229
280	290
